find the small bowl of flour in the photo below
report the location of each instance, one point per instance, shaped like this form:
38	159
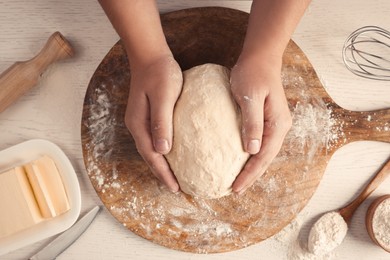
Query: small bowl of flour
378	221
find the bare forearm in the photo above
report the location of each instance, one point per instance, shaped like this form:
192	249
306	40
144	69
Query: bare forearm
138	24
271	24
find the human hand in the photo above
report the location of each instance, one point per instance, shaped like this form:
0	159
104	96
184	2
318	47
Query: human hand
257	88
154	89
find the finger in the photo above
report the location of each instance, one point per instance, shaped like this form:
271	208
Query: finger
161	114
160	168
258	164
137	120
252	117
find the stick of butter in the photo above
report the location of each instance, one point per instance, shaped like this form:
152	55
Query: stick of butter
30	194
19	209
48	188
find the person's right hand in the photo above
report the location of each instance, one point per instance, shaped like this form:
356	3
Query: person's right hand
154	89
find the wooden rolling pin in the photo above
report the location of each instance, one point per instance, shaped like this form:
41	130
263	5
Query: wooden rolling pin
22	76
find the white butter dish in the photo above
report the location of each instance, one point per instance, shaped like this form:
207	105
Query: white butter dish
24	153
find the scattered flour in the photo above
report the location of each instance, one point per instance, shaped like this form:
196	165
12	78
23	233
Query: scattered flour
296	250
327	233
316	127
100	124
311	125
381	223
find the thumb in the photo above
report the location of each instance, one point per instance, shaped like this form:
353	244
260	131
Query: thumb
252	117
161	115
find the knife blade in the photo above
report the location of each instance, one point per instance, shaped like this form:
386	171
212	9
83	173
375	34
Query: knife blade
67	238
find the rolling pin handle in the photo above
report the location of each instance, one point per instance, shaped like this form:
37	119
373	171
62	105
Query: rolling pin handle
23	75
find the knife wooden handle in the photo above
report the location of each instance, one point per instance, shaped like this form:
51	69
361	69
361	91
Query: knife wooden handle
22	76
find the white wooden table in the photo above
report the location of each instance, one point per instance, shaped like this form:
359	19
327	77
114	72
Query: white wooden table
52	110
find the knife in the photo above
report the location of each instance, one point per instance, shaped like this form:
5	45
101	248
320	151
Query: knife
63	241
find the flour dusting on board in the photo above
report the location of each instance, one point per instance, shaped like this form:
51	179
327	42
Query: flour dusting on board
101	126
312	128
314	125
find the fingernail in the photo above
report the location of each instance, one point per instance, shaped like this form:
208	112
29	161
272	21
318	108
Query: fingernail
239	191
236	189
175	188
161	146
253	146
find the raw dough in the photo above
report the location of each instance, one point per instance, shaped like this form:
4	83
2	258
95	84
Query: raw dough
207	153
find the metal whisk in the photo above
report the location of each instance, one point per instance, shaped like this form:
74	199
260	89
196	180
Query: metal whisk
366	53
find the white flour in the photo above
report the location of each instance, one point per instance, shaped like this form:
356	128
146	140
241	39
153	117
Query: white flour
313	128
327	233
315	125
381	223
296	249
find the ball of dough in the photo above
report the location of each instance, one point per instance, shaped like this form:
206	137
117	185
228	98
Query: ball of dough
207	152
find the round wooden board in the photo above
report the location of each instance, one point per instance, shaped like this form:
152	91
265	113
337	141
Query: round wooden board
135	197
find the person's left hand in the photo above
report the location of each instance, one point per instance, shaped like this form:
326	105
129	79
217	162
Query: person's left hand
265	117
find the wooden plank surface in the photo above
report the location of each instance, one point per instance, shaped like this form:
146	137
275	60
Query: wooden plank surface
53	111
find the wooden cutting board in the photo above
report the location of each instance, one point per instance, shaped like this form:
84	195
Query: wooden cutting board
138	201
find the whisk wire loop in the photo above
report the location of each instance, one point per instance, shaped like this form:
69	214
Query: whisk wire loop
366	53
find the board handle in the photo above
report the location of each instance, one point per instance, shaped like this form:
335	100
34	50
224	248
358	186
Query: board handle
365	126
23	75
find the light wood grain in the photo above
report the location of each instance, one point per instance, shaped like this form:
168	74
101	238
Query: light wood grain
53	111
